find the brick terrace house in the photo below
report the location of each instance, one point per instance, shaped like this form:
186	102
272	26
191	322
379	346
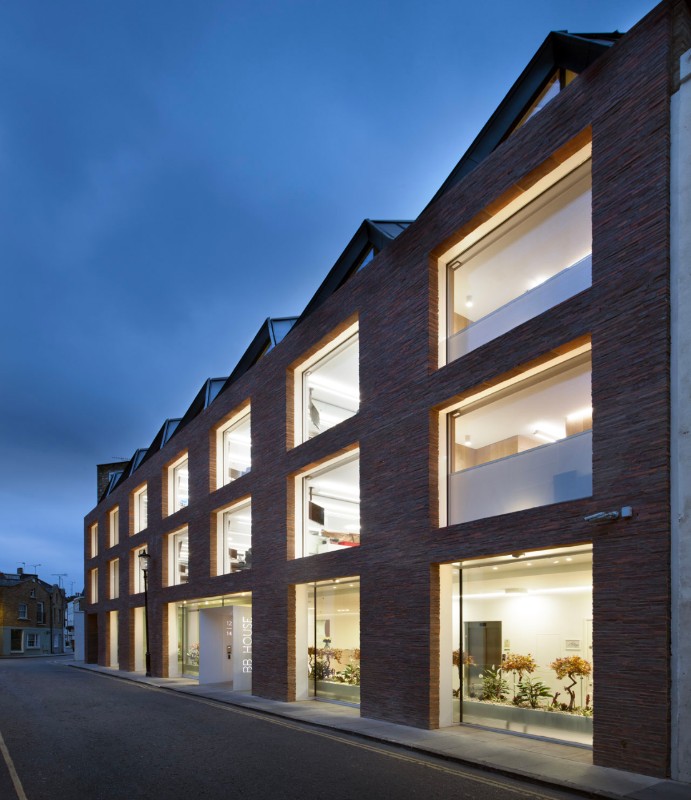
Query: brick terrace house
32	615
458	457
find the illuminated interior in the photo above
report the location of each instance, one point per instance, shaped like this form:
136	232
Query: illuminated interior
331	507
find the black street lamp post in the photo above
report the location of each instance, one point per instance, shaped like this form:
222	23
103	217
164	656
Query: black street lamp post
144	560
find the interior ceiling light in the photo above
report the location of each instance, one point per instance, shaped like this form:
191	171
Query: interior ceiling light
582	413
547	437
469	301
467	442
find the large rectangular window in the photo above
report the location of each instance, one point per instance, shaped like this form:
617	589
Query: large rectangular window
527	444
333	640
327	387
23	611
523	643
178	485
234	551
330	507
114	526
93	540
114	578
234	449
140	509
530	262
93	584
137	573
40	613
178	558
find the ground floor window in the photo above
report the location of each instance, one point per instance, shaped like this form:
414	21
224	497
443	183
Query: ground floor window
16	640
522	643
213	637
33	641
333	639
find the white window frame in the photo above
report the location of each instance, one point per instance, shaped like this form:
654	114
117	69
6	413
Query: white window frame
242	416
114	526
140	496
539	188
40	613
223	568
301	408
172	490
28	637
23	611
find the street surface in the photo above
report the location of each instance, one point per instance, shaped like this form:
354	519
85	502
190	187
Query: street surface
67	733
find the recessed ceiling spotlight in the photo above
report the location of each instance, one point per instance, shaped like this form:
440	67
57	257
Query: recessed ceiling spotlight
469	301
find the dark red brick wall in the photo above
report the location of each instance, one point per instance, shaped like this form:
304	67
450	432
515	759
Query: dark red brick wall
626	316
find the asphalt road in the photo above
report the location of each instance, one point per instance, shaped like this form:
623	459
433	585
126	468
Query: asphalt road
67	733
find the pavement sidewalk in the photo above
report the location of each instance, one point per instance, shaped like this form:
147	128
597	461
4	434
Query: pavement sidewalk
539	760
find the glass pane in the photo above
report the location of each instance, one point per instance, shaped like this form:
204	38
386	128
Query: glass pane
509	274
237	450
529	447
526	654
142	511
237	539
332	508
180	490
331	389
334	661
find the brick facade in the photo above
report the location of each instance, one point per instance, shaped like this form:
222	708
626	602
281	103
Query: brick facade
622	104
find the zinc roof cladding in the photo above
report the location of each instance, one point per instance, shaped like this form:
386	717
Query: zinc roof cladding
164	433
272	331
205	396
560	50
372	234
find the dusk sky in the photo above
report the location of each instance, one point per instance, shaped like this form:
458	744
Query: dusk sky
175	172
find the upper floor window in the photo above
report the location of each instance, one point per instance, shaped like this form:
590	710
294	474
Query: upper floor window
530	257
93	585
327	387
93	540
178	489
178	558
23	611
524	444
137	572
233	449
40	612
328	507
234	551
140	509
114	578
114	526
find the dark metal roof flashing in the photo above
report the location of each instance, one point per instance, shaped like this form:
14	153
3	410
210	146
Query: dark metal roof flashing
560	50
205	396
272	331
165	432
371	237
